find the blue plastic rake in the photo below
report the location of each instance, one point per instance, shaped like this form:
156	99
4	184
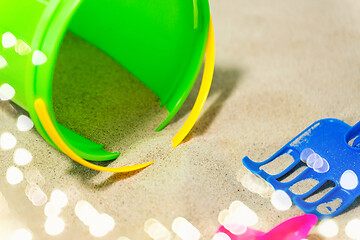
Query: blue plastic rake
328	141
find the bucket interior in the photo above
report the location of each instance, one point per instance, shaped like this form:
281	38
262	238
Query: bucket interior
159	43
154	40
96	97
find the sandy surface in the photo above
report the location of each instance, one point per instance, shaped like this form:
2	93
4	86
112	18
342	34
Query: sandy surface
280	66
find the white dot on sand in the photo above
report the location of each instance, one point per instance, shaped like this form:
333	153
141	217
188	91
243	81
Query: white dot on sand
3	62
86	212
255	184
185	230
59	198
51	210
108	221
37	196
281	201
349	180
22	234
222	216
7	92
54	226
22	157
328	228
235	205
102	225
235	221
221	236
242	214
14	175
156	230
24	123
98	229
8	40
39	58
352	229
7	141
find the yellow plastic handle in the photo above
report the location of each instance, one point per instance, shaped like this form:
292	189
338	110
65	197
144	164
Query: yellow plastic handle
204	88
43	114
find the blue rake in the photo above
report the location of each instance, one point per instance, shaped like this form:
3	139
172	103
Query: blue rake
331	149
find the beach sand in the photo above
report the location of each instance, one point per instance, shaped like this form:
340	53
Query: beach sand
280	66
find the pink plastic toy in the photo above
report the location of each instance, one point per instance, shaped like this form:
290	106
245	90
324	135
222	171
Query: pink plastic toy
296	228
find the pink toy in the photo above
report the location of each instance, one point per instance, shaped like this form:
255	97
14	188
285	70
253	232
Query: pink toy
296	228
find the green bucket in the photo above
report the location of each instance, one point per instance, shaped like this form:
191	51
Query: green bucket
162	43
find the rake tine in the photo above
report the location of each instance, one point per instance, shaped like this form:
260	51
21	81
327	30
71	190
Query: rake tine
307	173
314	189
330	196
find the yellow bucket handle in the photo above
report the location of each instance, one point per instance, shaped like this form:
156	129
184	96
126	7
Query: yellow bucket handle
204	88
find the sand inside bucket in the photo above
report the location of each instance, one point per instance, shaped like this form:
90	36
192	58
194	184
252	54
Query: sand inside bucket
107	106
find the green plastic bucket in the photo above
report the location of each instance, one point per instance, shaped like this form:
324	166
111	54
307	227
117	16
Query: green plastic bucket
162	43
